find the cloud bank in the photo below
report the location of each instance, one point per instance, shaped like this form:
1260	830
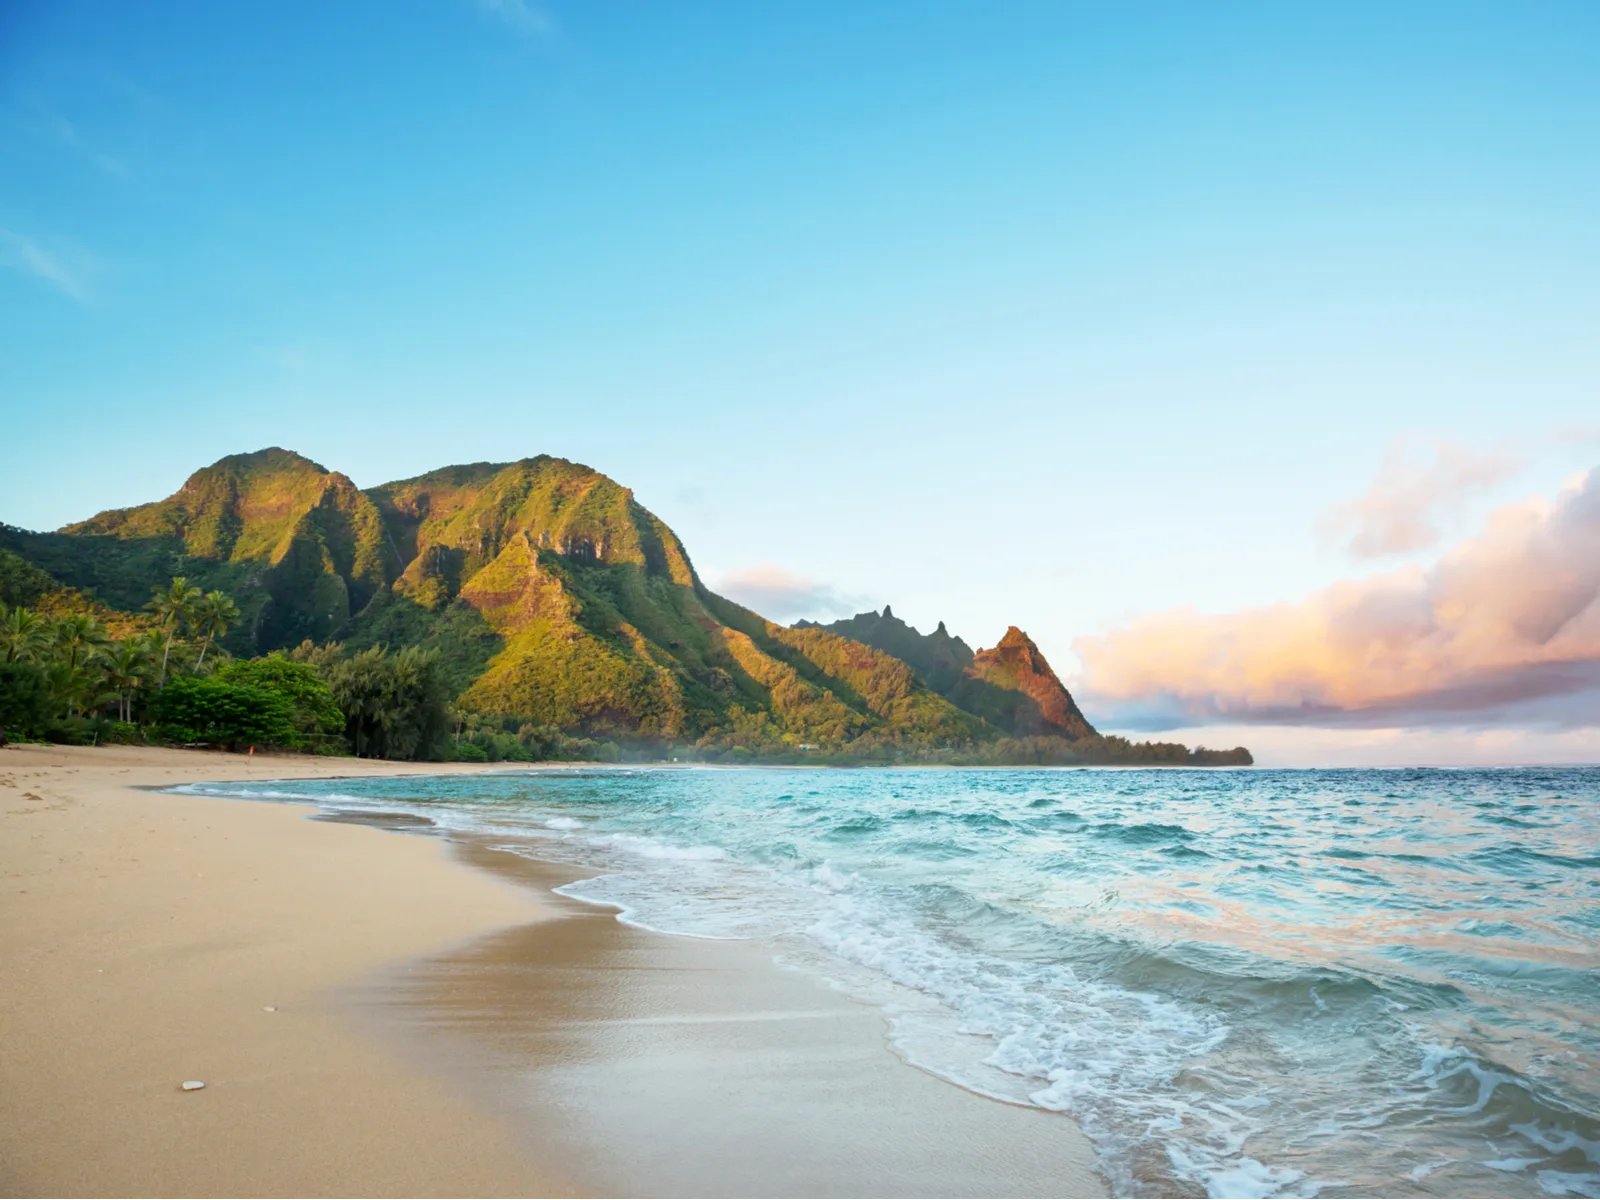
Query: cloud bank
1504	628
782	596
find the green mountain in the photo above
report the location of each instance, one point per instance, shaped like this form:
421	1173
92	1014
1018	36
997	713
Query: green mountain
555	599
940	660
1010	686
301	549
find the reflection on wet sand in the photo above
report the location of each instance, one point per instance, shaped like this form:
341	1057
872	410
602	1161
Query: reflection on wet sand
655	1065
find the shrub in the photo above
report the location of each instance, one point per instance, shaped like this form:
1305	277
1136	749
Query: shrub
467	752
117	733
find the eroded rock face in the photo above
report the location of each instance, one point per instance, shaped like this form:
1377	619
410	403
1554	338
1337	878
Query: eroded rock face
1010	686
1024	695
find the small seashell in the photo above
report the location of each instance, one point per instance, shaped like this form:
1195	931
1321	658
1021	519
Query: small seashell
193	1085
269	1008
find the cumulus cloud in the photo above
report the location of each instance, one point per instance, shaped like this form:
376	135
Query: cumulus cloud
1401	511
783	596
1504	627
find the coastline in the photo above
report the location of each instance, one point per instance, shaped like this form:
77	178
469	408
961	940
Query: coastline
670	1065
443	1024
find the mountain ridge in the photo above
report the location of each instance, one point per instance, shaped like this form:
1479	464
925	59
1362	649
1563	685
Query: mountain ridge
555	600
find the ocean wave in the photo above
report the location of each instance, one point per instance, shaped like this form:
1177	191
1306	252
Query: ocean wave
1193	966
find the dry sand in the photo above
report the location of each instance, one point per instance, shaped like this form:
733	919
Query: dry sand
443	1025
142	936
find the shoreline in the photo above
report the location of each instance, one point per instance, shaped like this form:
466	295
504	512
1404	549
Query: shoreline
526	1043
674	1065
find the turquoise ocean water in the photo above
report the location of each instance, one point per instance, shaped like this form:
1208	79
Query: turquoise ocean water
1240	983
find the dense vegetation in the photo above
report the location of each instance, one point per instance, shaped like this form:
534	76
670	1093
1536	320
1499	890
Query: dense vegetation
516	610
68	678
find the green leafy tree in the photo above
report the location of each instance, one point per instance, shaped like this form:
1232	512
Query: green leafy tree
194	709
25	698
395	705
315	714
211	616
21	582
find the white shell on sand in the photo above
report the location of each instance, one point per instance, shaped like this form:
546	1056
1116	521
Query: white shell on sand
193	1085
269	1008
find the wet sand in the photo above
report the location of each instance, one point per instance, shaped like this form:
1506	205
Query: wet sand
676	1066
443	1024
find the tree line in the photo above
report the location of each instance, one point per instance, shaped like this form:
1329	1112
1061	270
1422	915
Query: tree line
166	680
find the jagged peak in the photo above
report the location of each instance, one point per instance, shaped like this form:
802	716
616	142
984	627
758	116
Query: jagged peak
1015	662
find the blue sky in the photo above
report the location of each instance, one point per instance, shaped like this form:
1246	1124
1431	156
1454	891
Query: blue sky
1056	315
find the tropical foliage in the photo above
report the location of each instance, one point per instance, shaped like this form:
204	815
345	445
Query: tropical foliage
394	705
316	722
63	677
192	709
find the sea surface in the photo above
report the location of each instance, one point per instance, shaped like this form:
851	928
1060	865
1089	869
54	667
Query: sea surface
1240	983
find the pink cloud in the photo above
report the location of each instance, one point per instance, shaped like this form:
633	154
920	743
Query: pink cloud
781	595
1401	511
1506	625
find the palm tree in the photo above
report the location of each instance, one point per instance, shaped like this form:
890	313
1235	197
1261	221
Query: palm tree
127	667
211	616
24	636
173	607
77	639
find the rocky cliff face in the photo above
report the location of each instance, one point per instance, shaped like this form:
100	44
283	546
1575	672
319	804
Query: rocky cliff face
1013	686
1010	687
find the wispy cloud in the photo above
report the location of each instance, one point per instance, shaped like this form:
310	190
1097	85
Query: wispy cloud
781	595
64	267
526	18
1418	487
1504	628
58	129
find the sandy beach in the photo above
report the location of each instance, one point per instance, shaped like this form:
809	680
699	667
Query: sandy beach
378	1014
143	938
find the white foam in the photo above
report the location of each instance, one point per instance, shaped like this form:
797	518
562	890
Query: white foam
1567	1183
1174	1098
650	848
